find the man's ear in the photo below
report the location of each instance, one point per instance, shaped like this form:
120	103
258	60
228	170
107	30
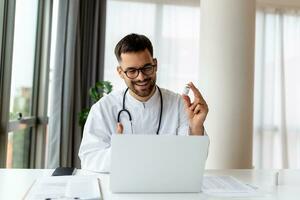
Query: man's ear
119	70
155	62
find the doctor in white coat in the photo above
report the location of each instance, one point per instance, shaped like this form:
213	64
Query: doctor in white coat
142	108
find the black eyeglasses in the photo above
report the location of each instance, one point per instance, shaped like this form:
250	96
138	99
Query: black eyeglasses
147	70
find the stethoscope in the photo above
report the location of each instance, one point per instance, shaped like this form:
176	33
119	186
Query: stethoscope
129	115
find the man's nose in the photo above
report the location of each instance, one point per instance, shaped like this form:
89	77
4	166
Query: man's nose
141	76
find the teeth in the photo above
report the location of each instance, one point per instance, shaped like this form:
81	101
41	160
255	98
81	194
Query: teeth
142	84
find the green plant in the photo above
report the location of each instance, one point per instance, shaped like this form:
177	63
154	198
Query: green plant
97	92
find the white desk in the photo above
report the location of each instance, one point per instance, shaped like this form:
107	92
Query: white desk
15	182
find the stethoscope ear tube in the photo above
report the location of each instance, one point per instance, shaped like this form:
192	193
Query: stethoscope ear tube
124	109
128	113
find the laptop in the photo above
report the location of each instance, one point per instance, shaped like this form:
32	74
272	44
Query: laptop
156	164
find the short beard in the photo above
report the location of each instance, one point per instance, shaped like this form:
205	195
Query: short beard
144	93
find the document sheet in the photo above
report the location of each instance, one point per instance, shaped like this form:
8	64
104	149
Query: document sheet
227	186
65	187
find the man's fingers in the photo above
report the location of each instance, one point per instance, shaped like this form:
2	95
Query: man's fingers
195	103
196	92
186	101
119	128
199	108
193	106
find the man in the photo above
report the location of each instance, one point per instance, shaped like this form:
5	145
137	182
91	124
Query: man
143	108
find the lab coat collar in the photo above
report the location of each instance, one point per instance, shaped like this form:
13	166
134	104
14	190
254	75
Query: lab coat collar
154	100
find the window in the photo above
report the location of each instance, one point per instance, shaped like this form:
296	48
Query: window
172	26
276	103
24	76
18	148
51	65
53	46
21	96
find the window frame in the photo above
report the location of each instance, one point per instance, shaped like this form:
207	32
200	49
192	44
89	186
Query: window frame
38	120
8	7
41	84
1	23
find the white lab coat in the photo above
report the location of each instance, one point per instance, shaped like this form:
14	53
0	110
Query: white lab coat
101	123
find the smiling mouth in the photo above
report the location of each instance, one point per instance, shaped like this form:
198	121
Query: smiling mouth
142	83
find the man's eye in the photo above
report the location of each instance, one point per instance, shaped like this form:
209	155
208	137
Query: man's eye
148	67
131	71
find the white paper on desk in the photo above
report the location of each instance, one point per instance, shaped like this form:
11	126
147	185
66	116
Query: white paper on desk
227	186
65	187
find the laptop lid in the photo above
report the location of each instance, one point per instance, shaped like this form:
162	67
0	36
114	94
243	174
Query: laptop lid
151	163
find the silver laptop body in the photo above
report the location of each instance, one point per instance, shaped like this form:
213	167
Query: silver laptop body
151	163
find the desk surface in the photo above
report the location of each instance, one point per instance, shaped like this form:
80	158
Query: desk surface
15	182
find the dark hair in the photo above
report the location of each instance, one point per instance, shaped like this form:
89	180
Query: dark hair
133	43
